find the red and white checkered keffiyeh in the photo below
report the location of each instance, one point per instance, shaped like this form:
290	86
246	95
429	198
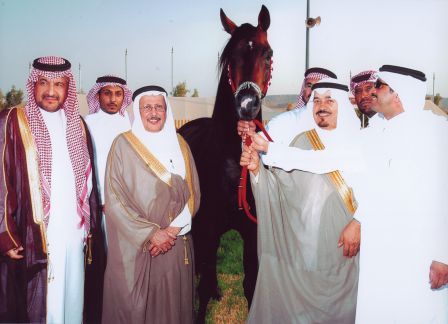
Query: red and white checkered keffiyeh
76	141
313	75
94	103
362	78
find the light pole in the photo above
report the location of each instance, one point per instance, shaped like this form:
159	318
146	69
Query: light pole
172	67
79	78
309	23
433	82
126	65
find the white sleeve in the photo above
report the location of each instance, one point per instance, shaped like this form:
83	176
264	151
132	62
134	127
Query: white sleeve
183	220
293	158
283	128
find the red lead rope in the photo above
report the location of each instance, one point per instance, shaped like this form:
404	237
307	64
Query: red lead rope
242	188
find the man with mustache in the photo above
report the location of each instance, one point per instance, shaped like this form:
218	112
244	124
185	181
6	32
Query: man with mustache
51	244
362	86
308	267
402	197
152	192
284	127
107	118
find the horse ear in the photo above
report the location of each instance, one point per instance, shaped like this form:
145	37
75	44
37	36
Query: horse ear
264	20
229	26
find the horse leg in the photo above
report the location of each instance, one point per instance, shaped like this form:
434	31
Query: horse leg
248	232
208	282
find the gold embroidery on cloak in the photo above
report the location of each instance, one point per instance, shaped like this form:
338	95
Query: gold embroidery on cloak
345	192
150	160
6	186
123	204
188	176
32	162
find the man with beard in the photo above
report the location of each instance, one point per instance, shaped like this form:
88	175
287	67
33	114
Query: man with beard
304	276
107	118
402	196
362	86
284	127
51	244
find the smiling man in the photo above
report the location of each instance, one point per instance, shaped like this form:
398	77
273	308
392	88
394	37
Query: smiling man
152	192
50	218
285	126
307	238
107	118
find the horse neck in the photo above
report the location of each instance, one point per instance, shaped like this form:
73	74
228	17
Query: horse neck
224	115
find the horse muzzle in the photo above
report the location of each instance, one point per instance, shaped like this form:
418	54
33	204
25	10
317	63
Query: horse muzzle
248	100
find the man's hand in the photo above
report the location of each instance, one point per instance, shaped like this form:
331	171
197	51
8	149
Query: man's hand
161	242
173	231
438	274
245	126
14	253
258	142
250	158
350	238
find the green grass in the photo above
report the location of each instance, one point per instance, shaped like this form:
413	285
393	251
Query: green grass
232	308
230	254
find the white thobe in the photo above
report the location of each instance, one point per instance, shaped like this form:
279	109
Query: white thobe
401	208
284	127
403	222
104	128
65	238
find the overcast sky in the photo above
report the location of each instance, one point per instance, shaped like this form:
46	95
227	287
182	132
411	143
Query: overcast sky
354	35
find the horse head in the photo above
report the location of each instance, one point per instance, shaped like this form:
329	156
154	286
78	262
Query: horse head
247	58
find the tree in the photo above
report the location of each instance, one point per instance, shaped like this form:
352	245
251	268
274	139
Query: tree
180	90
195	93
437	99
2	101
14	97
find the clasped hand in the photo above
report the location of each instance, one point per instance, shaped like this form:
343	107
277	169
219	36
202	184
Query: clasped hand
163	240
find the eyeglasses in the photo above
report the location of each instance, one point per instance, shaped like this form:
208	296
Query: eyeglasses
147	108
379	84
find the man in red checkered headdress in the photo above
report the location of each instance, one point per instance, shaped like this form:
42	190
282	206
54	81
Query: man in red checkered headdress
362	86
50	241
107	119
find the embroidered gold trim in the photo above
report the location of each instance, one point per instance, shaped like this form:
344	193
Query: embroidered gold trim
32	163
123	205
188	175
6	186
148	158
345	192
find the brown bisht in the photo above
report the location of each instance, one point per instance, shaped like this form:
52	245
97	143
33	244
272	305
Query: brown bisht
23	282
303	276
141	197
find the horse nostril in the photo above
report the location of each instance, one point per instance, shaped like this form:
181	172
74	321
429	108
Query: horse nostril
248	104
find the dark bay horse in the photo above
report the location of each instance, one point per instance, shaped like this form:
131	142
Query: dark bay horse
245	67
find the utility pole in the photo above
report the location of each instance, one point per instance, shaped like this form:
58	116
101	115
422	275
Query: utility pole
433	83
126	65
172	67
79	78
307	36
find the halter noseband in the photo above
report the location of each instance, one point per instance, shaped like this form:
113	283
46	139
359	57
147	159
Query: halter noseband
247	84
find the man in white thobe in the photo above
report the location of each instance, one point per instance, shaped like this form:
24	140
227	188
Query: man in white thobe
404	245
107	119
48	229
